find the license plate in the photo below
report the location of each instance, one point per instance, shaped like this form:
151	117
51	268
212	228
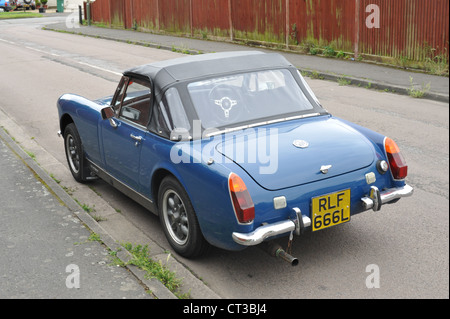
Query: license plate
330	210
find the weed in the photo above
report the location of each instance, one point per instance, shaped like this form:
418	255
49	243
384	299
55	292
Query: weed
87	208
116	260
343	81
417	93
437	65
402	61
313	50
340	55
70	191
316	75
55	179
329	51
94	237
31	154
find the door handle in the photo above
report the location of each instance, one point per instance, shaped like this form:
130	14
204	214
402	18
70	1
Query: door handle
138	139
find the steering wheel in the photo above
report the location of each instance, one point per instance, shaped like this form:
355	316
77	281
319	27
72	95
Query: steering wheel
228	98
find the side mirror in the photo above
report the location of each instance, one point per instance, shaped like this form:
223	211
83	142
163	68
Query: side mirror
108	114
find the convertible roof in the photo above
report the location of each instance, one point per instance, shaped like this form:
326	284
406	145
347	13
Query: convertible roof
199	66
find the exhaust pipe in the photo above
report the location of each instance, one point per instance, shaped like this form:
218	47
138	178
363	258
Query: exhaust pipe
275	250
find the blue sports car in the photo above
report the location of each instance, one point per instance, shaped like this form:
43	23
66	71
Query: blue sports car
230	150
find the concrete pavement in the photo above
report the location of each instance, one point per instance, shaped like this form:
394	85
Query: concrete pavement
369	75
42	236
46	251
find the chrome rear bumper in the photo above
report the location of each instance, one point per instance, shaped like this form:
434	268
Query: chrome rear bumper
374	201
271	230
377	198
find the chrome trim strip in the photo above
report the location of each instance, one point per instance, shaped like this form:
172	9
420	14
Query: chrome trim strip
243	127
125	189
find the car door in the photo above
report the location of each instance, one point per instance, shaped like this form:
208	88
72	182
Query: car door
123	138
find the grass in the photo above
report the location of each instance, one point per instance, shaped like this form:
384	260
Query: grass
141	259
31	154
154	269
343	81
19	15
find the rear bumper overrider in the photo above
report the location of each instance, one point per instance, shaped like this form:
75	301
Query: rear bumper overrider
302	222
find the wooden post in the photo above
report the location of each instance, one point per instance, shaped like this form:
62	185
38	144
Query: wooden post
191	19
287	24
131	15
357	22
157	15
230	20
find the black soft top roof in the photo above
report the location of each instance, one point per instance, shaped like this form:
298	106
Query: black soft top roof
204	65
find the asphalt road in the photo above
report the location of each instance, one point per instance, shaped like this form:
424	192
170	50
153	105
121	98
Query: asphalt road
406	244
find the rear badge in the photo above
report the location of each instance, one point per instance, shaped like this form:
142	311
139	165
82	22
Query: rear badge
300	143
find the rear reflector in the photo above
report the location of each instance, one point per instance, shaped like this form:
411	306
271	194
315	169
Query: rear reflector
240	197
397	163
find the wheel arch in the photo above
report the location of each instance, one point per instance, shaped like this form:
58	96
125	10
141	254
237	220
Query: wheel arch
65	120
157	178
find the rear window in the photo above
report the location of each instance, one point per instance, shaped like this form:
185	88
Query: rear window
247	97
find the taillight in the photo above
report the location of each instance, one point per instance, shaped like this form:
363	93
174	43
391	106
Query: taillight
240	197
397	163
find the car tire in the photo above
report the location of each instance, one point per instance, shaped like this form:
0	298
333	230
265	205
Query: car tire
74	152
179	220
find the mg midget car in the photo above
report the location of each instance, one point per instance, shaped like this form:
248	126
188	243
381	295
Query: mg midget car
230	150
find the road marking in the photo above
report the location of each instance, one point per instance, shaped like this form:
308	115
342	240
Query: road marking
99	68
7	41
41	51
57	55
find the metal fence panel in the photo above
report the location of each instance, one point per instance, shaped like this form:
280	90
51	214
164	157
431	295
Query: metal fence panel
410	29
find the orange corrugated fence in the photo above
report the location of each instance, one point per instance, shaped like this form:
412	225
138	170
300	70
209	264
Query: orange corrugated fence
412	29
